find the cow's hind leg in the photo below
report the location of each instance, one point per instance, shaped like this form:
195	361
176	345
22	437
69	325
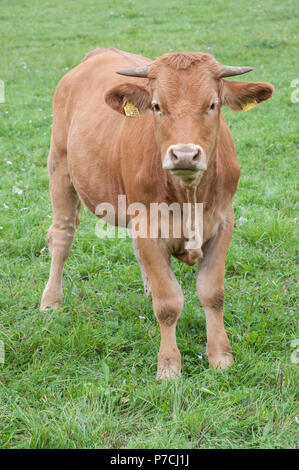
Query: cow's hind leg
167	302
60	235
146	283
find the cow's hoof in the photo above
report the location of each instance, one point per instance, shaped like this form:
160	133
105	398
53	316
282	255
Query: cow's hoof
220	360
51	300
168	369
169	373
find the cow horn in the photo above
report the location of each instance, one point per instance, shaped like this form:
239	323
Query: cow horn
230	71
137	72
226	71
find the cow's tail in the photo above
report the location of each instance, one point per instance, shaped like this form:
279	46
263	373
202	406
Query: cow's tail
77	214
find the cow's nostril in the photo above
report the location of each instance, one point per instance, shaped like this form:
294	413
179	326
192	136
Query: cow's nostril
196	157
173	155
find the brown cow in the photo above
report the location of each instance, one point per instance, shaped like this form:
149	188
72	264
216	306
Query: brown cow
178	150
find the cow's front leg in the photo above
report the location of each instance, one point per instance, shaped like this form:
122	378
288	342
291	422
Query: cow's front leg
210	288
168	303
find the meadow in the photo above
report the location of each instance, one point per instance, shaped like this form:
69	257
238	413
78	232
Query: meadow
83	376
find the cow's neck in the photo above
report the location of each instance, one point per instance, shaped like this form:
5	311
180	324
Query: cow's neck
200	190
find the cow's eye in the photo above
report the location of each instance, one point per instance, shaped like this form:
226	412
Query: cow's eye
212	106
156	107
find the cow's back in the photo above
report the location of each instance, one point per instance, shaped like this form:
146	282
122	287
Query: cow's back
88	131
81	91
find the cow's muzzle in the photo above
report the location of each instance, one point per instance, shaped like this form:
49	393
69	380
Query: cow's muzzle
185	159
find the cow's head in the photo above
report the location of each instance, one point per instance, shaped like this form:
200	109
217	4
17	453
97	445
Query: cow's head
185	92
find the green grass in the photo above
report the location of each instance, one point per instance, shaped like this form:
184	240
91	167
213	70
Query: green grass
83	376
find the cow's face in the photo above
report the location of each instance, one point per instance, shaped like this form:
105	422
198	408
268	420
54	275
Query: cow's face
185	93
186	109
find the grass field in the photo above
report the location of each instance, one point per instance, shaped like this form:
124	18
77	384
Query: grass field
83	376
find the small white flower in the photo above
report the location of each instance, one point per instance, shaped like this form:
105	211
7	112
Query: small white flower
1	228
9	162
242	220
6	206
297	419
16	190
141	317
42	250
24	209
199	356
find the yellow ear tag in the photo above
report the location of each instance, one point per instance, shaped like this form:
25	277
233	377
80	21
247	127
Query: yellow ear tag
249	106
131	110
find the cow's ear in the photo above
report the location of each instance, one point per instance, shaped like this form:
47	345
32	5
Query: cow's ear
242	96
124	98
